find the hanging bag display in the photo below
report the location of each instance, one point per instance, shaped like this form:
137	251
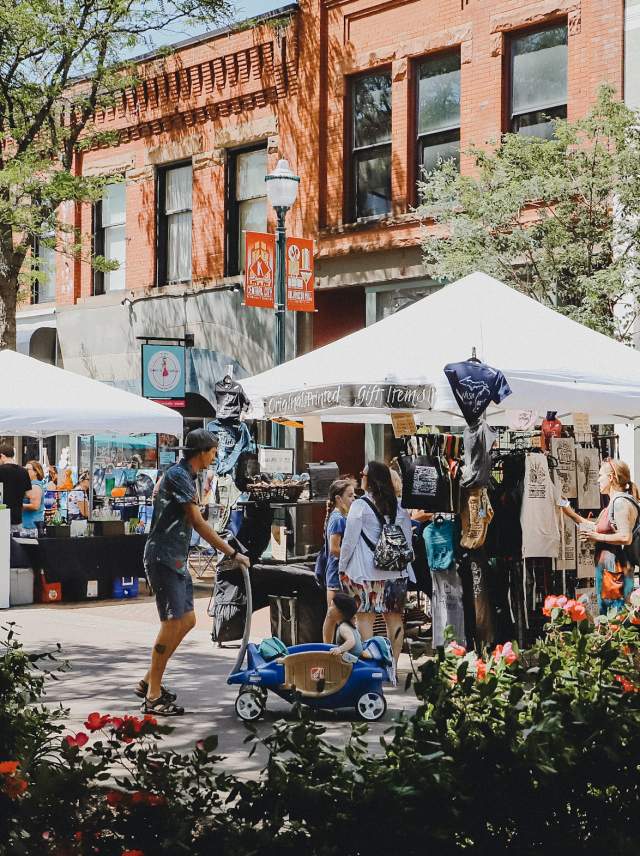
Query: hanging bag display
391	552
426	481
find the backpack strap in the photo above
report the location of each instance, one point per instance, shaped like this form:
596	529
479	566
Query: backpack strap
380	519
633	502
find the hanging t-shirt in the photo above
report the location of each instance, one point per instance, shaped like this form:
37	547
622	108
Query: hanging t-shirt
474	386
441	538
475	517
539	514
231	400
478	441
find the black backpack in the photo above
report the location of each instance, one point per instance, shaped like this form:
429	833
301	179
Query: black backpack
391	553
632	550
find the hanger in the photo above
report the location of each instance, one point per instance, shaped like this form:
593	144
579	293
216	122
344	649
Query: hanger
473	358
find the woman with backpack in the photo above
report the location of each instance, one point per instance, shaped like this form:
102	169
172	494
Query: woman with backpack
375	559
613	534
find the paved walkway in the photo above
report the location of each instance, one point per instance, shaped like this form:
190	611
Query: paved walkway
108	644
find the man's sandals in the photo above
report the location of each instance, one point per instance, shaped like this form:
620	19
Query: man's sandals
143	688
161	706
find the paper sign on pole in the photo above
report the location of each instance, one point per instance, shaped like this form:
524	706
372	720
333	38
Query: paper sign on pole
299	274
259	275
313	429
404	424
581	424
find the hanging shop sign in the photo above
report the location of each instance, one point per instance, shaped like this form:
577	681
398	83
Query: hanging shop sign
163	374
386	396
404	424
300	280
260	265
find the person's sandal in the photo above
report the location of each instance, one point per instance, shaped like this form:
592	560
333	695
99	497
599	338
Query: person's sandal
143	687
161	707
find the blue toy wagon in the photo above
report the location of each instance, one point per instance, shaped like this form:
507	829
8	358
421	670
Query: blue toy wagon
310	674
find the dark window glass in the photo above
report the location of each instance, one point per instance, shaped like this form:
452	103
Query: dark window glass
538	81
438	112
371	145
247	203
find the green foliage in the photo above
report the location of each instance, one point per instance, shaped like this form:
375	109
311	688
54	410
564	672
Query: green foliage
510	753
60	61
558	219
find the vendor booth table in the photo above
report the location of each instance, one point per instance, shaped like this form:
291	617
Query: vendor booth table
43	400
75	562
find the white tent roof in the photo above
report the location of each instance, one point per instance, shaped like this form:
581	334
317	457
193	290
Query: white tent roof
40	400
551	362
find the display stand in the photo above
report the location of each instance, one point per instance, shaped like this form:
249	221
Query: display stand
5	552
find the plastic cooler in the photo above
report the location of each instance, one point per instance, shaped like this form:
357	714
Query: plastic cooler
125	587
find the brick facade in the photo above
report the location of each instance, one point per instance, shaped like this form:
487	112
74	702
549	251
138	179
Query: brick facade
285	81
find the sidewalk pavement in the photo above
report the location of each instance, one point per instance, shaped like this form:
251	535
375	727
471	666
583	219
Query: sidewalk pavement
108	645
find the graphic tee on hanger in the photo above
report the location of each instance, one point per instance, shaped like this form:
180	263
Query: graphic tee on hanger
539	517
474	386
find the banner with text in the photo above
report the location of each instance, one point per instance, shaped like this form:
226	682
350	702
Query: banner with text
260	265
299	274
372	396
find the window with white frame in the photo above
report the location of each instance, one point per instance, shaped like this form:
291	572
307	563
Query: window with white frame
438	119
44	282
175	223
247	202
109	238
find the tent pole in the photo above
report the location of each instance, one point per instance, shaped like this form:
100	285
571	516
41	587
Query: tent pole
92	452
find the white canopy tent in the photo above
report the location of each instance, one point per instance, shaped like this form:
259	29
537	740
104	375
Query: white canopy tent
550	362
40	400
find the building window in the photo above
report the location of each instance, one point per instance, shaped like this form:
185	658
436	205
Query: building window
247	205
44	267
174	224
538	81
371	145
438	121
109	238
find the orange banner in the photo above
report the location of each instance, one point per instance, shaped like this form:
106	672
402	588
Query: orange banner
260	265
300	280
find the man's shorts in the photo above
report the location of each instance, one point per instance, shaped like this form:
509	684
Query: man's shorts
174	591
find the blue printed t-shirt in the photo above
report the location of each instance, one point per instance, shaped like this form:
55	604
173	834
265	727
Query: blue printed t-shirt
170	534
335	526
474	385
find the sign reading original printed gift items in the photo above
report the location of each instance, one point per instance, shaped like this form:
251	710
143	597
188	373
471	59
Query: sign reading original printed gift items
390	396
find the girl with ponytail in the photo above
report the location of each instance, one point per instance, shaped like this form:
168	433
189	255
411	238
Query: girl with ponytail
341	495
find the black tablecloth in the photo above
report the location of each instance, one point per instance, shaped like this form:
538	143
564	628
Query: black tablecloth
74	561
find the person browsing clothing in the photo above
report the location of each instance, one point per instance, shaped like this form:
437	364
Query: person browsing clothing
176	513
341	495
612	532
33	505
78	499
375	590
15	484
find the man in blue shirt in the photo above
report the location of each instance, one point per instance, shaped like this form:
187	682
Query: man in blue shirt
176	514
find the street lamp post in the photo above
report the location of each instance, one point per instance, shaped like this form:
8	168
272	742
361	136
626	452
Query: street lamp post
282	190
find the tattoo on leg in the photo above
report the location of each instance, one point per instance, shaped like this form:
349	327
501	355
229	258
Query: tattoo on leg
160	649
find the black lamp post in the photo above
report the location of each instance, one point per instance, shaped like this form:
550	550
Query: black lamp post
282	190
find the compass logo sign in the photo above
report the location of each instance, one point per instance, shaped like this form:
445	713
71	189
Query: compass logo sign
163	375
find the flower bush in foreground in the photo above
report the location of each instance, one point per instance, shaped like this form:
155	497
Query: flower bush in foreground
508	752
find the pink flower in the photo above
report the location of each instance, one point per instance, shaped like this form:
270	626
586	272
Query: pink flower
78	741
456	650
505	652
578	612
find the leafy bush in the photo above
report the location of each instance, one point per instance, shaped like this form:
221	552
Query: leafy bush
508	753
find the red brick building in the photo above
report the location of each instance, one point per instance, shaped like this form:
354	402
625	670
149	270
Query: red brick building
357	95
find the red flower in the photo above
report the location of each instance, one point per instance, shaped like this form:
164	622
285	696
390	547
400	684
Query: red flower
132	853
578	612
78	741
8	768
114	797
156	799
151	720
505	652
96	721
550	603
456	650
77	836
116	722
481	670
635	619
626	684
14	786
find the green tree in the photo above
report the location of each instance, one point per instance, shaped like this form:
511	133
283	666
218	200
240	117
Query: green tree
60	60
557	219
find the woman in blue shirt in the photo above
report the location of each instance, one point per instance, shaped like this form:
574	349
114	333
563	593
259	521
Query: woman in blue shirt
341	495
33	506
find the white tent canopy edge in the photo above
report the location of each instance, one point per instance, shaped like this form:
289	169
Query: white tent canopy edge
550	361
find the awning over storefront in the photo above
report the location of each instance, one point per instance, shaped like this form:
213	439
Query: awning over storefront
550	362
